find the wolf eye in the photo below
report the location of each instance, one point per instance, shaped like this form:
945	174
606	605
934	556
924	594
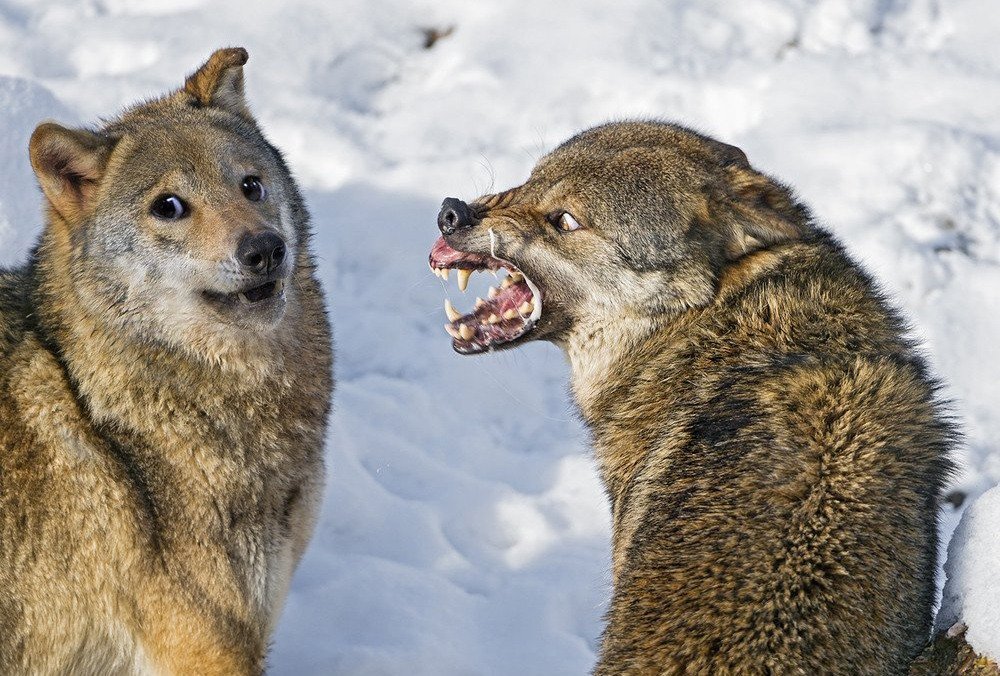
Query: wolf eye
169	208
564	221
253	189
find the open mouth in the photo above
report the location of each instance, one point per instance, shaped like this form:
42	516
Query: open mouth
252	298
511	310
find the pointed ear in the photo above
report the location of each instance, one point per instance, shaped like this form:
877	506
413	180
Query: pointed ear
68	163
764	212
731	156
219	83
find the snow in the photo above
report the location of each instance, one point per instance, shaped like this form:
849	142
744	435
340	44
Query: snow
23	104
972	592
464	529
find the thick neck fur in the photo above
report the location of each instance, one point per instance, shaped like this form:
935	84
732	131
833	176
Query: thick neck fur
241	410
595	348
598	352
608	356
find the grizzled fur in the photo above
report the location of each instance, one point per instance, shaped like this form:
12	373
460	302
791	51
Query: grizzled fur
768	436
160	460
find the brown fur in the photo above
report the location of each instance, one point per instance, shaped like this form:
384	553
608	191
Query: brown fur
160	463
768	436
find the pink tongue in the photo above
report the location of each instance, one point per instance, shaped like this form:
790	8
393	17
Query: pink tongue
443	256
510	298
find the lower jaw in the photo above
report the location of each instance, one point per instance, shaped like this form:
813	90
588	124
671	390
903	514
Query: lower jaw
466	348
507	319
259	315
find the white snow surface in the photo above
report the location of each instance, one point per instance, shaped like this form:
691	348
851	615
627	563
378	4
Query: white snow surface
972	592
464	529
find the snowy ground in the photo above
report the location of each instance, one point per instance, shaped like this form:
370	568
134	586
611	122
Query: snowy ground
464	529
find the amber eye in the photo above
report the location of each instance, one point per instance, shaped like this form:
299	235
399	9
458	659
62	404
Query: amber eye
253	189
169	208
565	221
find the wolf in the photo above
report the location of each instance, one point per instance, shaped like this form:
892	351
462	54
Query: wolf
769	437
165	383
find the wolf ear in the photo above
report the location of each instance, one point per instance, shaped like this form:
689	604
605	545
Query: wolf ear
68	163
765	213
731	156
219	82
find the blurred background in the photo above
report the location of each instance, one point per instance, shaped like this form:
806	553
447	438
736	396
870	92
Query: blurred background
464	529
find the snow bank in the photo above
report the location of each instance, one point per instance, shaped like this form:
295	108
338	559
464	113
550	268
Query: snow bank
972	592
23	104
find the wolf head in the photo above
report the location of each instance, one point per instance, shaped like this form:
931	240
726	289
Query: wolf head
627	219
178	222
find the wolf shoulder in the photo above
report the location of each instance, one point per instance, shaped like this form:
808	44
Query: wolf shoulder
797	485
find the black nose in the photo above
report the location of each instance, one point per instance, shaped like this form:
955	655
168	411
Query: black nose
455	215
261	253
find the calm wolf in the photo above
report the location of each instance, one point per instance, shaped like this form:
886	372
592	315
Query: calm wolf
165	381
768	436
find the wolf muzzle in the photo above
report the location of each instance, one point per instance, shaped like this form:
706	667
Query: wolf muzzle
455	215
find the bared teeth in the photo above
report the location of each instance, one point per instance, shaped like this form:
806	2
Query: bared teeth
450	310
515	277
493	319
466	332
510	314
479	302
506	283
493	292
463	279
442	273
526	307
452	331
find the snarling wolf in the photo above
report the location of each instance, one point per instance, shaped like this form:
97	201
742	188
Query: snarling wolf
769	438
165	378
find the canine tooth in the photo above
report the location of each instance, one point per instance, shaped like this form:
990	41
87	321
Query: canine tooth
536	299
466	331
452	331
510	314
493	292
479	302
493	319
463	279
526	307
450	310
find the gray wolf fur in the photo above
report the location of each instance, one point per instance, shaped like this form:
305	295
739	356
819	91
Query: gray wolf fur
768	436
165	380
